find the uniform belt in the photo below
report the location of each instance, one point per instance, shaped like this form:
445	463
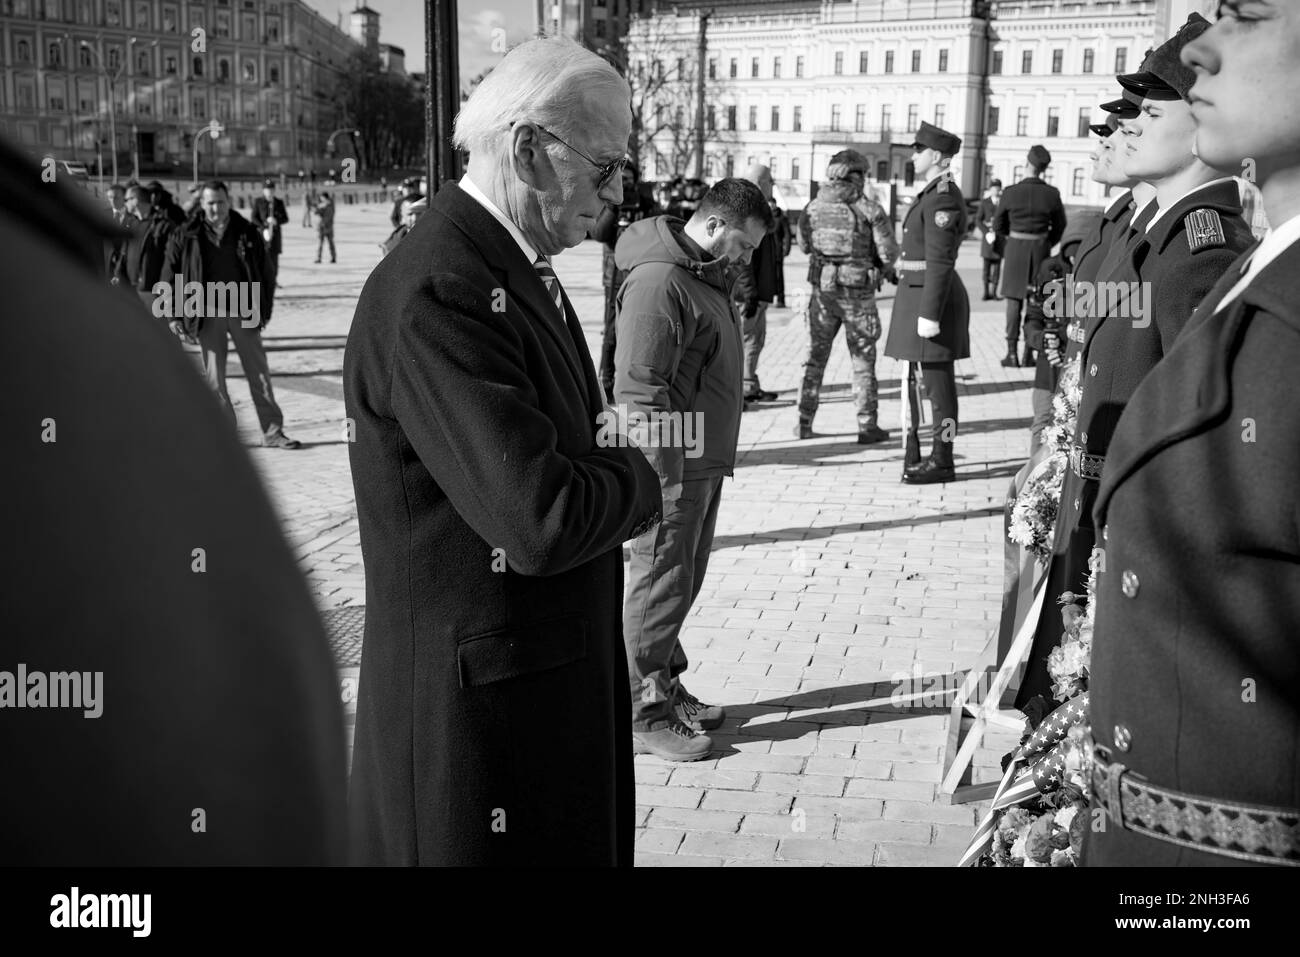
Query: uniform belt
1016	234
909	266
1086	465
1247	832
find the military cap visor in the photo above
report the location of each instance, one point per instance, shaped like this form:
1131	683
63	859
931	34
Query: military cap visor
1124	107
1163	75
933	138
1101	129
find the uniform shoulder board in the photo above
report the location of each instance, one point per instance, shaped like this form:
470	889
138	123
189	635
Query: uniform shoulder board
1204	230
944	182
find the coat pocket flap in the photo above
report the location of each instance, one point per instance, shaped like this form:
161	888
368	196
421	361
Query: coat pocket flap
509	653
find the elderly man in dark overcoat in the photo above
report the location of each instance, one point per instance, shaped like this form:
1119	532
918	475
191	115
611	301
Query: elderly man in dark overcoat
929	327
1195	664
492	718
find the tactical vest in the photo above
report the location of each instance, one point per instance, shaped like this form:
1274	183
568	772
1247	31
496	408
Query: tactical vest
842	237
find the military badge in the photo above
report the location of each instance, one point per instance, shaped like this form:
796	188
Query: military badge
1204	230
942	219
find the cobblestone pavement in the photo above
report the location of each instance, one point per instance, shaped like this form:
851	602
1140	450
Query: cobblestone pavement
829	578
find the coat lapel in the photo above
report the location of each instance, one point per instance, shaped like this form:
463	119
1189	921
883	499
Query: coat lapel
1199	390
520	279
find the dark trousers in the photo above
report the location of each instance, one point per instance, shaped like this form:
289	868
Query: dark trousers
754	335
322	239
607	341
663	580
938	381
214	345
992	273
780	279
1014	309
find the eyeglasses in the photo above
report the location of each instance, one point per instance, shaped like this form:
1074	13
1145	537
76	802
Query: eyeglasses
607	172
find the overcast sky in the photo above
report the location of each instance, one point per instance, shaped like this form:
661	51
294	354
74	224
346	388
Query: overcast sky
401	23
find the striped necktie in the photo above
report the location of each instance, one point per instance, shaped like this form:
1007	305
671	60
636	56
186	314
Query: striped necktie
552	283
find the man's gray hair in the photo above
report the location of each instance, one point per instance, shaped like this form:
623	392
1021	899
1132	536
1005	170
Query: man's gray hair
553	81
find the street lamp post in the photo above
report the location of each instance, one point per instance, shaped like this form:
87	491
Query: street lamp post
352	135
111	78
213	129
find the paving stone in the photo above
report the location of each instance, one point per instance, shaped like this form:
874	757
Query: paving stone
883	831
730	846
658	840
845	853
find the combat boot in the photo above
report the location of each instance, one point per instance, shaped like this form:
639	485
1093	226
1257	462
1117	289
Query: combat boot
871	433
938	467
1011	361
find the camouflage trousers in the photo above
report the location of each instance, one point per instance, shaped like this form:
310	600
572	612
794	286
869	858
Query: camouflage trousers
855	310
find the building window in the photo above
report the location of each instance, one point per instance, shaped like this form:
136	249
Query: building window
274	74
1017	174
1089	55
731	117
862	62
913	117
735	67
198	66
54	55
115	58
1027	62
1076	183
882	170
1058	59
169	64
713	69
796	119
753	67
223	70
995	114
731	165
835	117
995	67
776	118
113	13
172	106
250	71
681	68
1085	120
1054	121
711	117
250	111
142	17
84	56
142	63
223	110
940	114
798	66
753	117
1121	60
776	68
886	119
1022	121
223	24
916	61
199	107
23	51
794	168
248	27
860	118
889	61
57	103
943	61
169	19
839	62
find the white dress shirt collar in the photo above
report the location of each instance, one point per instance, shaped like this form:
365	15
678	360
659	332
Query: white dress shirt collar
1163	209
1275	242
469	186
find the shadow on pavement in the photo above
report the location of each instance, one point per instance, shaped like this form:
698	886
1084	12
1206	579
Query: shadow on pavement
805	533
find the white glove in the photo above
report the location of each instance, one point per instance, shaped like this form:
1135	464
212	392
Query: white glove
926	328
991	237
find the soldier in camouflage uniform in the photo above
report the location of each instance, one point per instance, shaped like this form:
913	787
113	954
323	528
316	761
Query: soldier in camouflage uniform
845	276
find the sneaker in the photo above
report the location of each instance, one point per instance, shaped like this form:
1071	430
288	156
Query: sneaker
278	440
872	434
676	742
694	713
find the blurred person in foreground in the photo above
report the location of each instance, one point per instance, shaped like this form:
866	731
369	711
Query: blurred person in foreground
492	721
219	734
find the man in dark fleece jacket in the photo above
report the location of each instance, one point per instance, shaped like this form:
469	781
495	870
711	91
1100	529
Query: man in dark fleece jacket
678	371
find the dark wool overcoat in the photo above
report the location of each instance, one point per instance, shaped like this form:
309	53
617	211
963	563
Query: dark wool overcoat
493	724
932	233
1195	680
1028	207
1122	344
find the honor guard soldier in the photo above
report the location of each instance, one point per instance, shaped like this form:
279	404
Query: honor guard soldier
930	323
1195	680
1032	220
1161	277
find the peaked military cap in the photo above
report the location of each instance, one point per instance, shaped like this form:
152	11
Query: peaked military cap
931	137
1163	75
1038	155
1108	127
1125	107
